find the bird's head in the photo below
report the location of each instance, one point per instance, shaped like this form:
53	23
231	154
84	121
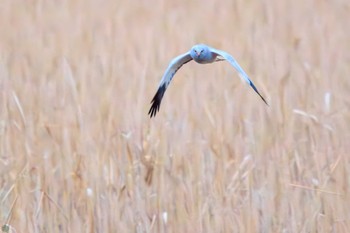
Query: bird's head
198	51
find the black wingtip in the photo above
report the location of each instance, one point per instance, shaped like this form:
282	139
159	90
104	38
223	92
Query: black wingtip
263	99
157	99
256	90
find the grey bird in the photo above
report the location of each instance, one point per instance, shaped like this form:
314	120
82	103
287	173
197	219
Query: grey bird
202	54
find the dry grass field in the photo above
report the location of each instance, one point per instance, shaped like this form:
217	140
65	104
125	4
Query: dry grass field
78	152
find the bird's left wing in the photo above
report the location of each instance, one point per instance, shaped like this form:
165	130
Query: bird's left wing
173	67
241	72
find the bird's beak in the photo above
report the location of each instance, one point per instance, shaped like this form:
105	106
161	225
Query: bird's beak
198	53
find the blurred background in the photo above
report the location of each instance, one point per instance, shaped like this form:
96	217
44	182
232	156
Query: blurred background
78	152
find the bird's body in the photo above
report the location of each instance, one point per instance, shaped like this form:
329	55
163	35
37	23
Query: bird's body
201	54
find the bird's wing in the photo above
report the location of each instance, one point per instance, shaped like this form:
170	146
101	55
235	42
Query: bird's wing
235	64
173	67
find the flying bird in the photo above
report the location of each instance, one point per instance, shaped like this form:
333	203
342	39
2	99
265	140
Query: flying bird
202	54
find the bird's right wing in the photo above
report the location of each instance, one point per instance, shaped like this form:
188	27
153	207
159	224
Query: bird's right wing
173	67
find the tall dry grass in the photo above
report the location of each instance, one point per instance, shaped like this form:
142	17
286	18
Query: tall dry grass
78	152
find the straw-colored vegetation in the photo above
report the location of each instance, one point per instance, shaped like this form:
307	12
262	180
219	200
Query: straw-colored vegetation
78	152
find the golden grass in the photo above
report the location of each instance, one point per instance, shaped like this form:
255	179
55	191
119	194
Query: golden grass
78	152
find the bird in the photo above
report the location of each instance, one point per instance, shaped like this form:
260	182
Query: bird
202	54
